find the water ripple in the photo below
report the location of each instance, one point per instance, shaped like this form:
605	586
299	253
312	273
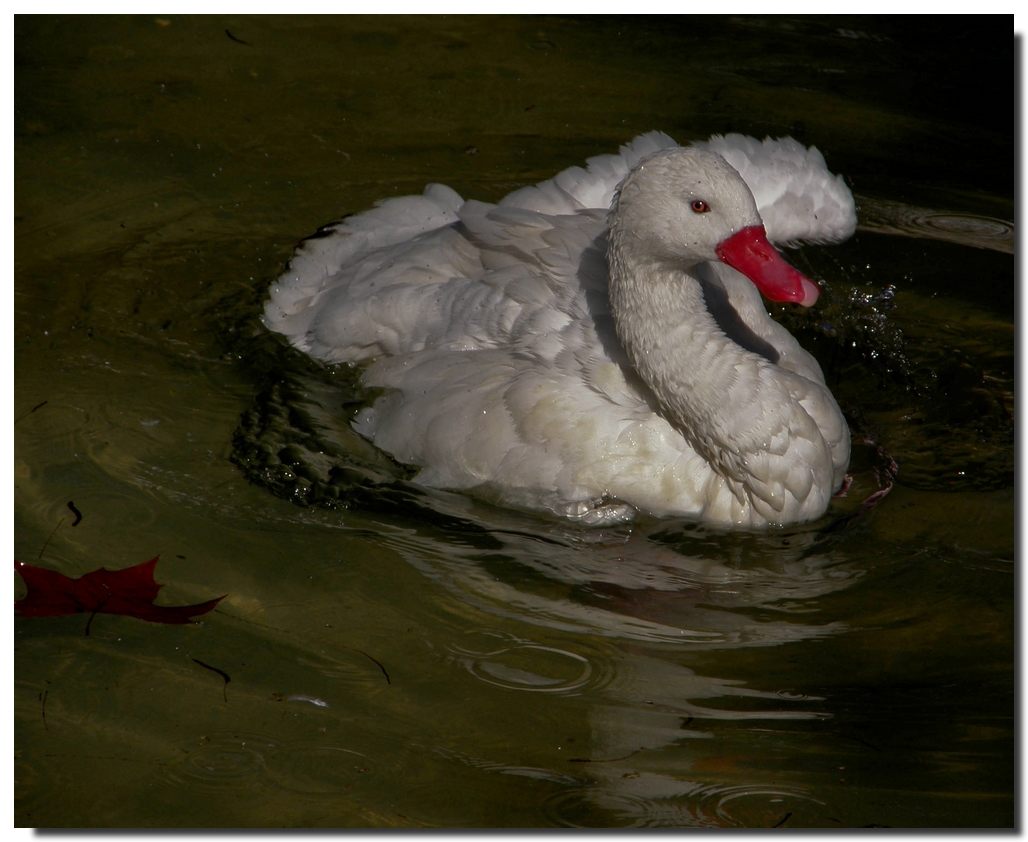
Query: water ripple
648	800
226	760
503	660
984	232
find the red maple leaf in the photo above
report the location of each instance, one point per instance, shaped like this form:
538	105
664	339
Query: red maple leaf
130	591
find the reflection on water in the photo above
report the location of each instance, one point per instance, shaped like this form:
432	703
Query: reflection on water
637	590
400	657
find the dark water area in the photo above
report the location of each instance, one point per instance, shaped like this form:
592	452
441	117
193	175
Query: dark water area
398	657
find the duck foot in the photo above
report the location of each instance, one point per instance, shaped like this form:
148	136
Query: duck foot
884	473
847	481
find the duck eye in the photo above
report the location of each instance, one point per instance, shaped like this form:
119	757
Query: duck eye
699	206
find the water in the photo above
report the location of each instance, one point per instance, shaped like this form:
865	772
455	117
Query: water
399	658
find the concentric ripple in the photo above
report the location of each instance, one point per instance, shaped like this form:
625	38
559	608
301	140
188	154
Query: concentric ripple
966	229
645	801
741	806
221	761
506	661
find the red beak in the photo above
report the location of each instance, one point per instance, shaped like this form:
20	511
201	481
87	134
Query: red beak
749	252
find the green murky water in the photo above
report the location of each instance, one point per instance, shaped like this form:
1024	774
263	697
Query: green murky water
398	658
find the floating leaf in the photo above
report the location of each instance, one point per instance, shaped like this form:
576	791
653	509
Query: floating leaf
130	591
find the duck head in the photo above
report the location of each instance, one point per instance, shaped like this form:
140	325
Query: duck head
684	206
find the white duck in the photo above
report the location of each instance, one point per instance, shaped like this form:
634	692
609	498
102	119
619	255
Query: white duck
594	345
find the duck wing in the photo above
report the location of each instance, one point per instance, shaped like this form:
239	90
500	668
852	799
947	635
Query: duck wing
798	198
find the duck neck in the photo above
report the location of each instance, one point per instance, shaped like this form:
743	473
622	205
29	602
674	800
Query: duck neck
709	388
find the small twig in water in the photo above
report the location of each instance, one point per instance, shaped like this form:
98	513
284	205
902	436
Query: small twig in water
785	818
858	740
37	406
606	760
222	673
51	535
76	512
98	609
43	696
366	655
238	40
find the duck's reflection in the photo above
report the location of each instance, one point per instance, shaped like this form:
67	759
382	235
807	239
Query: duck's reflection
655	755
